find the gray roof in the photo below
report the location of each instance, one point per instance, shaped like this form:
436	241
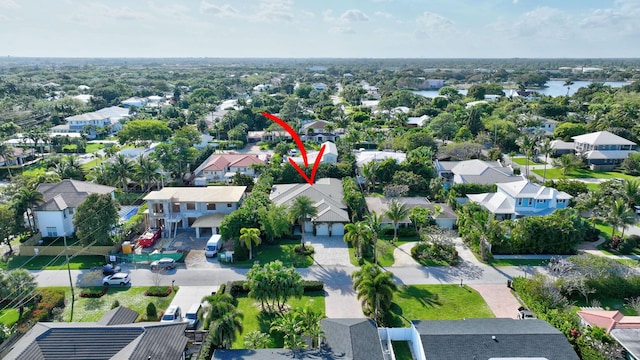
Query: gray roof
380	205
93	341
118	316
68	193
474	339
357	339
629	339
326	194
602	138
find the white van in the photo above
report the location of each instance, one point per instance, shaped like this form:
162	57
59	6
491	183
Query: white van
173	314
213	245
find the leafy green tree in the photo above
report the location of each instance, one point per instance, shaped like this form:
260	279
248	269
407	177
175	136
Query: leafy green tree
224	329
240	179
141	130
396	212
274	222
443	126
257	340
374	288
25	200
147	172
567	130
248	237
567	163
20	285
374	222
310	320
631	192
7	225
291	327
358	235
274	284
124	170
300	210
69	168
95	218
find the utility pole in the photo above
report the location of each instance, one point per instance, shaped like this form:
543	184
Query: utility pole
73	298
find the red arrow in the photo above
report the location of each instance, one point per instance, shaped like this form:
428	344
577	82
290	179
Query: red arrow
303	151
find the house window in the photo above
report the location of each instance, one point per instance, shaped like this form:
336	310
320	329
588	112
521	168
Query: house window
175	207
52	231
229	205
191	206
530	201
519	202
540	201
211	206
70	211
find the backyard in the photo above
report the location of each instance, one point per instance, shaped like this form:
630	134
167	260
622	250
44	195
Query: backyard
556	173
435	302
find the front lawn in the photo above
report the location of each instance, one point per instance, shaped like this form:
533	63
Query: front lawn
523	161
435	302
385	250
42	262
94	147
556	173
9	316
91	309
92	164
283	251
518	262
254	319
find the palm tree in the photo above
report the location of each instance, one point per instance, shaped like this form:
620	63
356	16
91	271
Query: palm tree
311	324
568	84
374	222
249	236
225	328
545	148
357	234
291	327
369	172
302	209
146	172
484	225
256	340
631	192
69	168
566	163
6	153
123	169
620	216
25	201
526	146
374	288
396	212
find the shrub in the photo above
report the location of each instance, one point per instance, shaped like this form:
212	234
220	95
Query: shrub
47	300
627	245
93	292
435	252
152	311
305	251
312	285
160	291
115	304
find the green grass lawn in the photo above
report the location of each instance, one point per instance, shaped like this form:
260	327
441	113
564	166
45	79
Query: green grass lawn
523	161
385	250
436	302
555	173
91	164
518	262
9	316
42	262
254	319
605	230
92	309
94	147
284	251
401	350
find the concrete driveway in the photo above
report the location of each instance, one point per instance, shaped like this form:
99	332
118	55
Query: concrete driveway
189	295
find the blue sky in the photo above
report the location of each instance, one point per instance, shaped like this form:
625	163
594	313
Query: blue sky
320	28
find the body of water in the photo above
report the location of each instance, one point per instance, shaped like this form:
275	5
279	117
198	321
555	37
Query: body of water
554	88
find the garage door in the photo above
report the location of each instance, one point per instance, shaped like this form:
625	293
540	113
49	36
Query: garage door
337	229
322	229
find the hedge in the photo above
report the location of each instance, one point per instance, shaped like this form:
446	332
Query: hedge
160	291
93	292
237	287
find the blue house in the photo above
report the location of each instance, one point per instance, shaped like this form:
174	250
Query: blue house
603	150
522	198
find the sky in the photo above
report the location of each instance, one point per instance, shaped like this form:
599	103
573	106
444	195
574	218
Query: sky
321	28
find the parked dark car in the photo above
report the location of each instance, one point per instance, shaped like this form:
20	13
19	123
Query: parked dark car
110	269
163	264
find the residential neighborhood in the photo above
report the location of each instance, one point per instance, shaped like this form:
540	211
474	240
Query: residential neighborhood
407	209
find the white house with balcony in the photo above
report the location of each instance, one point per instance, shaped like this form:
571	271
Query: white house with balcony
224	166
54	217
521	198
193	207
104	118
603	150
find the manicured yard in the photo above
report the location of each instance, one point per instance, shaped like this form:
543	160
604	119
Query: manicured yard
91	164
284	251
518	262
385	250
523	161
42	262
436	302
8	316
555	173
254	319
401	350
605	230
92	309
94	147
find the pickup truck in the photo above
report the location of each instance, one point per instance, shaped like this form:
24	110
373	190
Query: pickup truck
149	237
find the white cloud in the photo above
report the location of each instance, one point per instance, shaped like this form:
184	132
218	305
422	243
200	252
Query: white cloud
383	14
118	13
353	15
341	30
431	24
223	10
9	4
275	11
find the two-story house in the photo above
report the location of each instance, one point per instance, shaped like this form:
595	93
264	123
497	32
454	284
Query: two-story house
195	207
521	198
54	216
330	155
319	131
603	150
223	166
104	118
474	172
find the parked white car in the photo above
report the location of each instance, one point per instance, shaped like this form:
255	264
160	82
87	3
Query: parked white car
120	278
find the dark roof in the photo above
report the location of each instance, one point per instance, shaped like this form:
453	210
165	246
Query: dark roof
68	193
473	339
95	341
118	316
629	339
275	354
357	339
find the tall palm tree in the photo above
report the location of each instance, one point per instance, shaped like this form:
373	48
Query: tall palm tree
6	153
369	172
70	168
526	146
248	237
631	192
123	169
374	288
25	201
146	172
620	216
566	163
357	234
396	212
545	148
568	84
225	328
374	222
302	209
311	324
290	325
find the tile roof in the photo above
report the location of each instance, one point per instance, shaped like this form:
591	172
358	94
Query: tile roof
609	320
211	194
357	339
492	338
326	194
602	138
222	162
363	157
608	154
68	193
